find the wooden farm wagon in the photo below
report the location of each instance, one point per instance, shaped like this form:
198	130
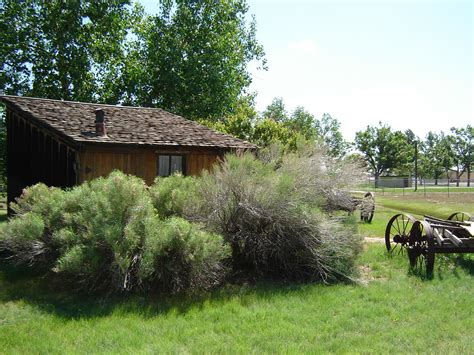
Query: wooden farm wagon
423	239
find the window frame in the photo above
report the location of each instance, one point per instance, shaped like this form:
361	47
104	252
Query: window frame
183	163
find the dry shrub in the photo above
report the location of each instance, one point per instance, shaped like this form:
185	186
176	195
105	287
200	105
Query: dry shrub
322	179
270	213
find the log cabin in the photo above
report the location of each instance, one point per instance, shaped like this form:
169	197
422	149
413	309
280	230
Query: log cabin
64	143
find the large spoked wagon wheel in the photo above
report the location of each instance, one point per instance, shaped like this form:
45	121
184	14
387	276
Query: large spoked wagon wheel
461	217
367	208
421	247
397	232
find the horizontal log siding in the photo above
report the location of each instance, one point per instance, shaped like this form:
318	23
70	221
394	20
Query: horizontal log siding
141	162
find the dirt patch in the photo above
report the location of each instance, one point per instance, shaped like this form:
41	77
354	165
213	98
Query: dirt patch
374	240
367	275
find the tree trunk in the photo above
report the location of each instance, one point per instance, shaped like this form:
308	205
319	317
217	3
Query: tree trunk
457	177
376	175
468	176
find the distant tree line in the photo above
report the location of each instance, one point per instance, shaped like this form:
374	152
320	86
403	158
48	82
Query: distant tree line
389	152
385	151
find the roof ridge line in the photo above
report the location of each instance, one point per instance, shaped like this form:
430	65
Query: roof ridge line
86	103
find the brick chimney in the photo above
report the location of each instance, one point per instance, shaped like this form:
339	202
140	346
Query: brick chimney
100	128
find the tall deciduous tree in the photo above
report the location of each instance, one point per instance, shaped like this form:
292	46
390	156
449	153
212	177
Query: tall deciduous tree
303	122
72	50
240	123
383	149
193	57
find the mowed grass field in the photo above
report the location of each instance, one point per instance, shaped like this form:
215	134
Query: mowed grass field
387	310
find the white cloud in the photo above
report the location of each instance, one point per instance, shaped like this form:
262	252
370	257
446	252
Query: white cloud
304	46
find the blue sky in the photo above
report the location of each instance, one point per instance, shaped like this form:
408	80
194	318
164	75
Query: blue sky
406	63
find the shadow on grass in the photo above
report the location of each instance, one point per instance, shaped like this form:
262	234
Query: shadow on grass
467	263
38	291
3	216
445	264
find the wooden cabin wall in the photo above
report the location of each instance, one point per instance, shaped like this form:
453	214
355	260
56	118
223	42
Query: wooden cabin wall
34	155
197	162
142	162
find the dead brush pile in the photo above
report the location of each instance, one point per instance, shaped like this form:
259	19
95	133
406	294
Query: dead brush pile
275	215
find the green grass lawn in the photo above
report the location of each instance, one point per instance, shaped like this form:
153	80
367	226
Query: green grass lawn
388	310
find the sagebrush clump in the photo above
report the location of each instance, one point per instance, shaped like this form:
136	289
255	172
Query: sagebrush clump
103	235
170	195
181	256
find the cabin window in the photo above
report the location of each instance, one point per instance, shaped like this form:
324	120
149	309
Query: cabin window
170	164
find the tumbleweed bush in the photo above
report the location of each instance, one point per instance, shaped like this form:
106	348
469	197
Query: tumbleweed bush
273	217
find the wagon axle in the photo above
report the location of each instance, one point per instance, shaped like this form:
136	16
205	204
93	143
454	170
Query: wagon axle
401	239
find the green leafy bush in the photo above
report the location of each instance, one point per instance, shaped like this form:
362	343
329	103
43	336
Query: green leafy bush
271	215
27	239
102	236
183	257
170	195
47	202
106	235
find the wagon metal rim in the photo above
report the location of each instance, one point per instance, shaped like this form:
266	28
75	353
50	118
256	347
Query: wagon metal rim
397	232
461	217
421	253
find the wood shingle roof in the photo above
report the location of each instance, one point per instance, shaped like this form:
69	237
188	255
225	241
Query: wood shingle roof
125	124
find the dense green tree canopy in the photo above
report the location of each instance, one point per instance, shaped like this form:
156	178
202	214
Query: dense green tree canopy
328	130
303	122
239	123
190	58
193	57
70	50
276	110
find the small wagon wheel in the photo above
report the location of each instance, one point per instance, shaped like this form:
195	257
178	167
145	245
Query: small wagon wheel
398	231
367	207
421	247
461	217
